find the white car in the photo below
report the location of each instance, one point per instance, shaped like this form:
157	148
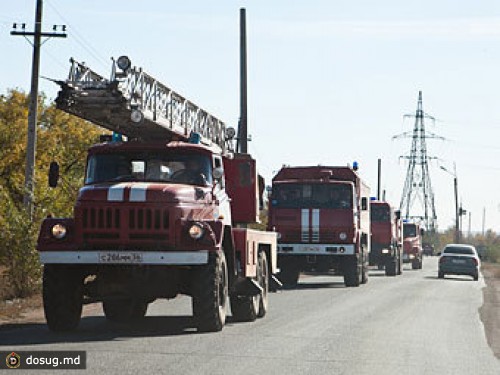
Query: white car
459	259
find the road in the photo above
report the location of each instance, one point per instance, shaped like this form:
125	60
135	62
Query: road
411	324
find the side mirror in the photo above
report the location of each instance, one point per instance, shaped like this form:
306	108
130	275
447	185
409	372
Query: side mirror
422	231
217	173
398	214
53	174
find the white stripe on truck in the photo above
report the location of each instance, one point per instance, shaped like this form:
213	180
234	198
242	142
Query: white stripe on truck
116	192
315	225
305	225
138	192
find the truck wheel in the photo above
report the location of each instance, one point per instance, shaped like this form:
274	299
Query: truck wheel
249	308
400	265
440	274
263	279
124	310
415	264
391	267
351	272
62	296
289	274
420	263
210	294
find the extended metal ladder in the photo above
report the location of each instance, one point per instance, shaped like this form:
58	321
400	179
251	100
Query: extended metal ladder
135	104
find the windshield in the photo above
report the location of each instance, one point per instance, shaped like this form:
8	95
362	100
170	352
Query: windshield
409	230
458	250
191	169
379	213
312	195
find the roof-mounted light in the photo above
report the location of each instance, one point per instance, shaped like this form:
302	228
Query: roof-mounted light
230	133
136	116
123	63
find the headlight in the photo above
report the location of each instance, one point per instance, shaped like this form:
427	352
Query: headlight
196	231
343	236
385	251
59	231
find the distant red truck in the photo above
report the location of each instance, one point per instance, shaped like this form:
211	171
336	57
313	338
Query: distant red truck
387	238
412	245
322	218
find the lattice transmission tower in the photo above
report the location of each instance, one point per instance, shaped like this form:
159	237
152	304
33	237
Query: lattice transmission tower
417	200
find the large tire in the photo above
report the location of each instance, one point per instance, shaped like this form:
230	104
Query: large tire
415	264
391	267
210	293
352	274
263	279
124	310
420	263
289	274
440	275
249	308
62	296
400	264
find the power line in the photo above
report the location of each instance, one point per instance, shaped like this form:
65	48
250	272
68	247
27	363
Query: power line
80	40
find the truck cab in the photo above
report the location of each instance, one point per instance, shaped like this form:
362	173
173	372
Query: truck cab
412	244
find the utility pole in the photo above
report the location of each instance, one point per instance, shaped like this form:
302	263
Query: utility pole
33	105
242	141
484	219
457	209
379	178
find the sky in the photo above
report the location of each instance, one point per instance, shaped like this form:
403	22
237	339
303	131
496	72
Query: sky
329	82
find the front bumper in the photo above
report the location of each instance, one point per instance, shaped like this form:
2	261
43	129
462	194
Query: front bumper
104	257
316	249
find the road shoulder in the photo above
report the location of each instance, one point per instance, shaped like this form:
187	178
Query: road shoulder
489	311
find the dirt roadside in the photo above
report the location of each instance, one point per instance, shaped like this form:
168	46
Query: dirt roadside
490	311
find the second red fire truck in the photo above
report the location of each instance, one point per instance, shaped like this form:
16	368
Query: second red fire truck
322	218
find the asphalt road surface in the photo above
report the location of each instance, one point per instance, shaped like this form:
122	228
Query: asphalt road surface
410	324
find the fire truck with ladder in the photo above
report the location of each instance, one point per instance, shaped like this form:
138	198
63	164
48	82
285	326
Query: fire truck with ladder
322	216
163	211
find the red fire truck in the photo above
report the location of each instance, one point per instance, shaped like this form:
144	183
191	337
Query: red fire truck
322	218
387	238
161	214
412	244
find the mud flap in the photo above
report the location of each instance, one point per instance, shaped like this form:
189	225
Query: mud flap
274	283
247	287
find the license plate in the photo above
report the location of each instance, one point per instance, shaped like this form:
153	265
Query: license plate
458	261
311	248
120	257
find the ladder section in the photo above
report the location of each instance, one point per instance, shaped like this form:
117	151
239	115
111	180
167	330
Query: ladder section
135	104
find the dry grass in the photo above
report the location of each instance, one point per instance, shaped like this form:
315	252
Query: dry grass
492	269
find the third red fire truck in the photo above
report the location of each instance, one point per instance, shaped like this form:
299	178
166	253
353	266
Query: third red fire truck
387	238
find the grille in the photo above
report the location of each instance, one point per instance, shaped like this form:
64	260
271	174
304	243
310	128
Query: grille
101	218
138	218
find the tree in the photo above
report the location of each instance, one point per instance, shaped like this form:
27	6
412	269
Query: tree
61	137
